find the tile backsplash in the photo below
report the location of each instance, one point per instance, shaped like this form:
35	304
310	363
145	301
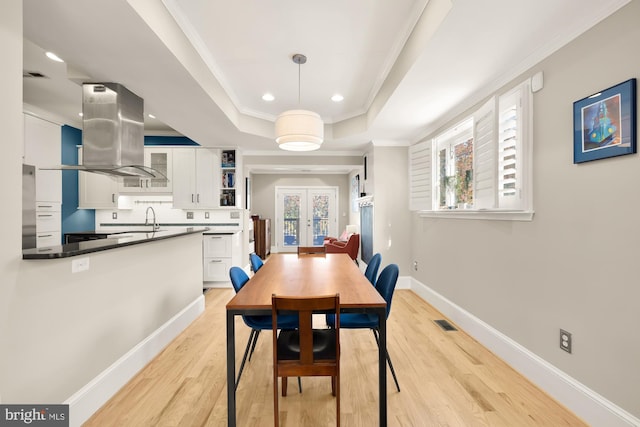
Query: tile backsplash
133	211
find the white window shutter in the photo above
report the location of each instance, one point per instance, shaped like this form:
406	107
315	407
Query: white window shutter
510	150
484	168
420	176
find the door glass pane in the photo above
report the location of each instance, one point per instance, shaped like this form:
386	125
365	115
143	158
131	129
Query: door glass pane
291	219
320	210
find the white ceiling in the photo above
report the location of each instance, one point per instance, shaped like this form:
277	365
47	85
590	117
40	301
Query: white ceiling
202	66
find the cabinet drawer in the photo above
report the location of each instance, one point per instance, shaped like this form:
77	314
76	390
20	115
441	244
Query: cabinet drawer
216	269
218	246
47	207
48	221
48	239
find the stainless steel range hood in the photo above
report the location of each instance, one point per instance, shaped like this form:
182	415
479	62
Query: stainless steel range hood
112	132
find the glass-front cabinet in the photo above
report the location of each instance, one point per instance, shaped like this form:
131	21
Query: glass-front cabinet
160	159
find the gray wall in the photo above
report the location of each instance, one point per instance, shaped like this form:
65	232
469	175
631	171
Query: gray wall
388	182
263	193
11	123
574	265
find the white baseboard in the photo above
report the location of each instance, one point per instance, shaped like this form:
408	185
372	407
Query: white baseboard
404	282
98	391
593	408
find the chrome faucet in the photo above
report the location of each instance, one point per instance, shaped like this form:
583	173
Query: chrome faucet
146	219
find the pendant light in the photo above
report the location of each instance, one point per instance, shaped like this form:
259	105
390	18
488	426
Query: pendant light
299	130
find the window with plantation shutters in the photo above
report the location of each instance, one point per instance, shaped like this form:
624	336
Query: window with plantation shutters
512	128
481	167
420	176
484	166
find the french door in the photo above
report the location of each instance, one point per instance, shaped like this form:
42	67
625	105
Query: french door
304	216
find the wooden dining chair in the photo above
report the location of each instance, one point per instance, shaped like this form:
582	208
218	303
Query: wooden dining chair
311	250
306	351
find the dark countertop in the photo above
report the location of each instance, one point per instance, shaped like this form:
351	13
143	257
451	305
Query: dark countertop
213	227
113	242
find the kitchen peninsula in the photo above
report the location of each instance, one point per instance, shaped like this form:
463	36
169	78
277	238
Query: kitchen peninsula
110	241
100	311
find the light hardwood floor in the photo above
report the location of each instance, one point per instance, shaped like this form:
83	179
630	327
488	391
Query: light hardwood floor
446	379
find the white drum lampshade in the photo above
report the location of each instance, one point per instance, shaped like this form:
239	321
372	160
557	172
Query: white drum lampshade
299	130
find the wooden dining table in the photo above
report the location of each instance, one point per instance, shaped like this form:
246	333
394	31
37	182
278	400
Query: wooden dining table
307	275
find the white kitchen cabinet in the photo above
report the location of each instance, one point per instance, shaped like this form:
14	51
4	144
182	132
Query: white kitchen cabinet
96	191
160	159
42	148
196	178
48	224
220	253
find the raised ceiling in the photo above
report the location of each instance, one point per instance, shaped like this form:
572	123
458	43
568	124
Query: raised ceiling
403	66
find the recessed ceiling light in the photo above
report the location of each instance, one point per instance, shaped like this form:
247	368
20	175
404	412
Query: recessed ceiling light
337	98
151	116
268	97
53	57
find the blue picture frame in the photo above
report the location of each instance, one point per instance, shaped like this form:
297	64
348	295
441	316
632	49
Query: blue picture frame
605	123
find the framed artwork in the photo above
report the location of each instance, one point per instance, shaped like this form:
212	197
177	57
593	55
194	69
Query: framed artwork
604	123
355	192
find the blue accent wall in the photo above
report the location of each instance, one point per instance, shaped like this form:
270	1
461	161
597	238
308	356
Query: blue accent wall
168	140
74	219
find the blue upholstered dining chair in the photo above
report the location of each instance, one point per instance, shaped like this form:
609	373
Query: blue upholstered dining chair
385	285
257	323
371	271
256	262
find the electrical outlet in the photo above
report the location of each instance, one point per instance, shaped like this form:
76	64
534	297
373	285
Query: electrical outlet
206	215
415	265
189	215
565	340
79	264
114	215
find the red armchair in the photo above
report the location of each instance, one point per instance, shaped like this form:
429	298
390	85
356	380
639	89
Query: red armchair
351	246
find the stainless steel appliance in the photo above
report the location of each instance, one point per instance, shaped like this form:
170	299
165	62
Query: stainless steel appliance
112	132
28	206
